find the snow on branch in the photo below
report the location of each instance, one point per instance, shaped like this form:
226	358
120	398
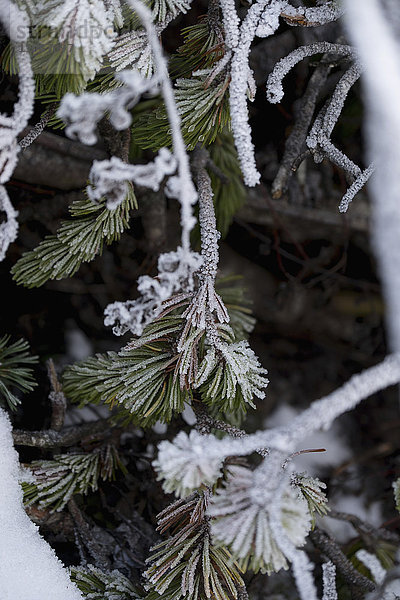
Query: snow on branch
355	187
370	29
313	16
274	83
8	228
16	24
175	274
109	178
82	113
320	415
329	581
29	568
181	186
373	565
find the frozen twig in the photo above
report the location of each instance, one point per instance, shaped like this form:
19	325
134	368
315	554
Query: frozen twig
329	581
57	399
206	301
39	127
332	550
274	83
297	137
320	415
68	437
355	187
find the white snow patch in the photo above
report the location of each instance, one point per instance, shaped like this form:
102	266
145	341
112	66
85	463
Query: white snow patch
29	568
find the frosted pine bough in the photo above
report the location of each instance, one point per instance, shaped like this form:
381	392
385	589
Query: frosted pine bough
241	521
228	371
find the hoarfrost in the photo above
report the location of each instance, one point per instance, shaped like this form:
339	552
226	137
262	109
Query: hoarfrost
183	466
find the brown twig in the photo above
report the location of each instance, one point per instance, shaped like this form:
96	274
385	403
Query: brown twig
330	548
68	437
57	399
366	531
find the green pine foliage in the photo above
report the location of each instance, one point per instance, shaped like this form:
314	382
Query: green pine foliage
78	240
15	371
99	585
202	47
202	100
203	108
149	380
187	564
141	379
55	481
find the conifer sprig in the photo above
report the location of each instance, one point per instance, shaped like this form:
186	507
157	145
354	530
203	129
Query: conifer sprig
56	481
100	585
14	370
187	564
78	240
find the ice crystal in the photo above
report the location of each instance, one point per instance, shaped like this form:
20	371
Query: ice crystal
82	113
109	178
241	521
269	20
132	50
355	188
8	228
373	565
85	26
329	581
183	467
175	273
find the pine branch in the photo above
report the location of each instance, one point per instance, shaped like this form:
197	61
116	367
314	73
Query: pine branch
70	436
15	371
324	543
98	585
187	564
56	481
78	240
